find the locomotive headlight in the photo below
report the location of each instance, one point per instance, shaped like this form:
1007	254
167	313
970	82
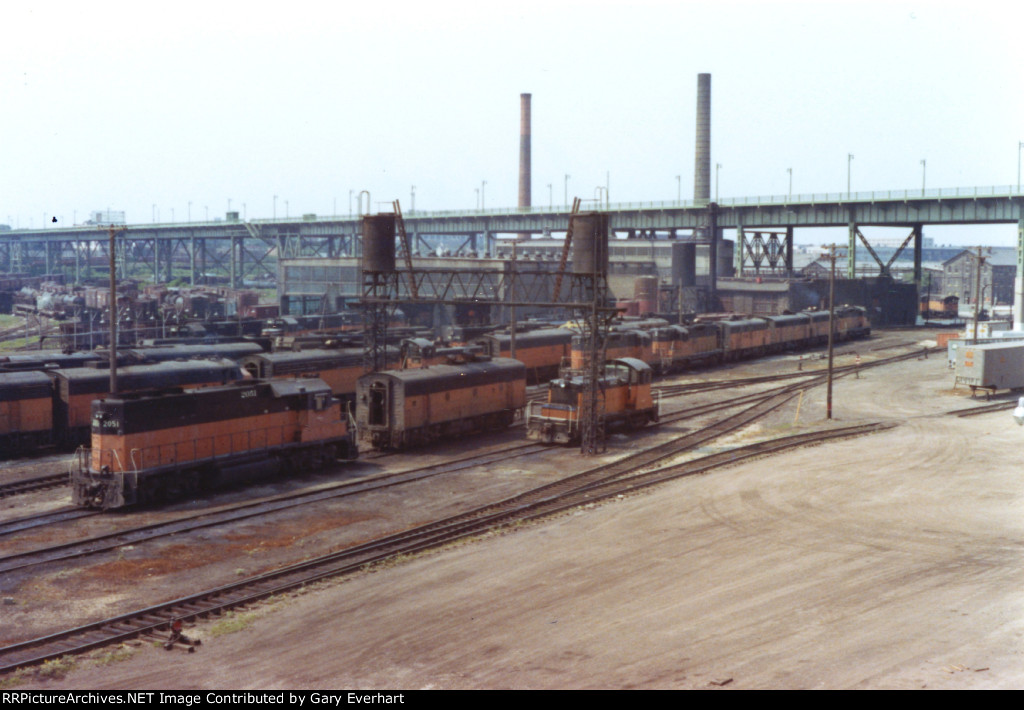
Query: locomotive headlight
1018	413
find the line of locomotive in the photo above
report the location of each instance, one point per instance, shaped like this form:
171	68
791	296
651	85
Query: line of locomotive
152	447
45	397
674	347
634	353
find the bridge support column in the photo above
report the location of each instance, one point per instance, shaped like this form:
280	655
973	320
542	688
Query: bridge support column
789	252
713	256
234	265
192	260
918	240
851	250
1018	280
740	251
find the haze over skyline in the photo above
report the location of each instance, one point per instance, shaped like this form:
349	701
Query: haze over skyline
168	112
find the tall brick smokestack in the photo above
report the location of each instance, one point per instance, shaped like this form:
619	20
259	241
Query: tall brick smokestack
524	150
702	167
524	154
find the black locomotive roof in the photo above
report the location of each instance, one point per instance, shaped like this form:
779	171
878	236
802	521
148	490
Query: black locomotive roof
28	384
317	357
790	319
308	385
439	378
633	363
745	324
533	338
163	353
253	398
39	358
165	374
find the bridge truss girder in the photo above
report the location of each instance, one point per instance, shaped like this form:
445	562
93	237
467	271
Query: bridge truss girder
772	248
884	269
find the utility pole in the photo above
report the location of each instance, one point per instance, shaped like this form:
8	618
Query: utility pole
832	255
977	288
512	308
112	306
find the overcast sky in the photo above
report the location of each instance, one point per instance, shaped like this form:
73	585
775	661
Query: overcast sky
130	105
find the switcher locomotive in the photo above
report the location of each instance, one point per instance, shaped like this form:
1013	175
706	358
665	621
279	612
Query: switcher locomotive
624	395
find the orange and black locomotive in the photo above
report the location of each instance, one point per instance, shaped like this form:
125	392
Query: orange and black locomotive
624	401
148	448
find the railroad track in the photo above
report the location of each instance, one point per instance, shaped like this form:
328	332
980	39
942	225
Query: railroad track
53	517
596	487
763	403
28	332
545	501
95	544
810	379
81	547
30	485
983	409
709	385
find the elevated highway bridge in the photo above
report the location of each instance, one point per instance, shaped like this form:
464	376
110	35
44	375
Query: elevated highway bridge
248	249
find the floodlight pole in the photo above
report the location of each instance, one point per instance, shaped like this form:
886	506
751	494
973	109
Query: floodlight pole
831	327
977	288
112	305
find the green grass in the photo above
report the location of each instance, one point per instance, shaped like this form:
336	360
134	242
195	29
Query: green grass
56	667
233	622
17	343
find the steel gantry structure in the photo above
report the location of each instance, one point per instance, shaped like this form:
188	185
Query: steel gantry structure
583	291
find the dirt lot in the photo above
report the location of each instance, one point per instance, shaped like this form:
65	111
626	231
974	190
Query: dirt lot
889	561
